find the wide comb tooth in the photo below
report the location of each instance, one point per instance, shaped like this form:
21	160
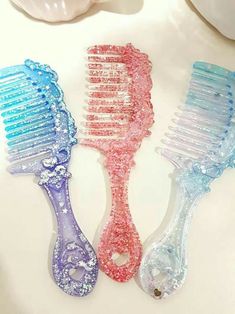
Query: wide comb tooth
178	159
103	133
209	87
110	109
27	122
12	79
108	88
29	136
106	49
108	94
210	108
203	138
31	152
204	121
107	117
211	76
104	125
106	66
205	101
33	95
101	73
200	128
184	149
17	92
223	117
189	141
217	97
105	102
30	129
209	79
7	88
212	69
14	107
106	59
193	116
103	76
11	103
25	112
27	145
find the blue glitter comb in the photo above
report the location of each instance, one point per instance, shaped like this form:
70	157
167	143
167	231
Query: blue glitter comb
40	133
201	146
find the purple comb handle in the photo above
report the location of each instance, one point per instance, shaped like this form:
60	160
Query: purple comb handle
75	266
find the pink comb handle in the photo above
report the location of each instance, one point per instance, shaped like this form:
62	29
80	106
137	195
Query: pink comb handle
119	237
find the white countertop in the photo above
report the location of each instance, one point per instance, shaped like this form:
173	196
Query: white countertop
174	37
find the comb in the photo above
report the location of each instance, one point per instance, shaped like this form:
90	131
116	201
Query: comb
40	133
119	114
201	145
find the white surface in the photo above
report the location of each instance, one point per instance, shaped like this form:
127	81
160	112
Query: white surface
173	36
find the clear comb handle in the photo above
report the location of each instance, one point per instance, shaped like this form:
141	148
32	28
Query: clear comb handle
75	266
164	265
120	250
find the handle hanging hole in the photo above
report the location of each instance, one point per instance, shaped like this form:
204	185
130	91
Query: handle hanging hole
76	273
120	259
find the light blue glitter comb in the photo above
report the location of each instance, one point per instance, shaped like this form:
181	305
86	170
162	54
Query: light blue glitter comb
201	146
40	133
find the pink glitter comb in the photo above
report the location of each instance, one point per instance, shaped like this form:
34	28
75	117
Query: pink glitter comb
119	116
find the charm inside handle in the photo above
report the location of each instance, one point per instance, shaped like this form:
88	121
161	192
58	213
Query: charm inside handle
75	266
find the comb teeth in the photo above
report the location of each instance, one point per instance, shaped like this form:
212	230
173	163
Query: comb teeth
37	123
109	104
25	102
211	89
206	119
105	77
30	123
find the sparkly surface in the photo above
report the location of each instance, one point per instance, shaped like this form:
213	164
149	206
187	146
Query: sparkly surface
40	133
121	115
201	146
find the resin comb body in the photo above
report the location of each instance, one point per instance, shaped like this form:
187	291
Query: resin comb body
200	146
119	116
40	133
